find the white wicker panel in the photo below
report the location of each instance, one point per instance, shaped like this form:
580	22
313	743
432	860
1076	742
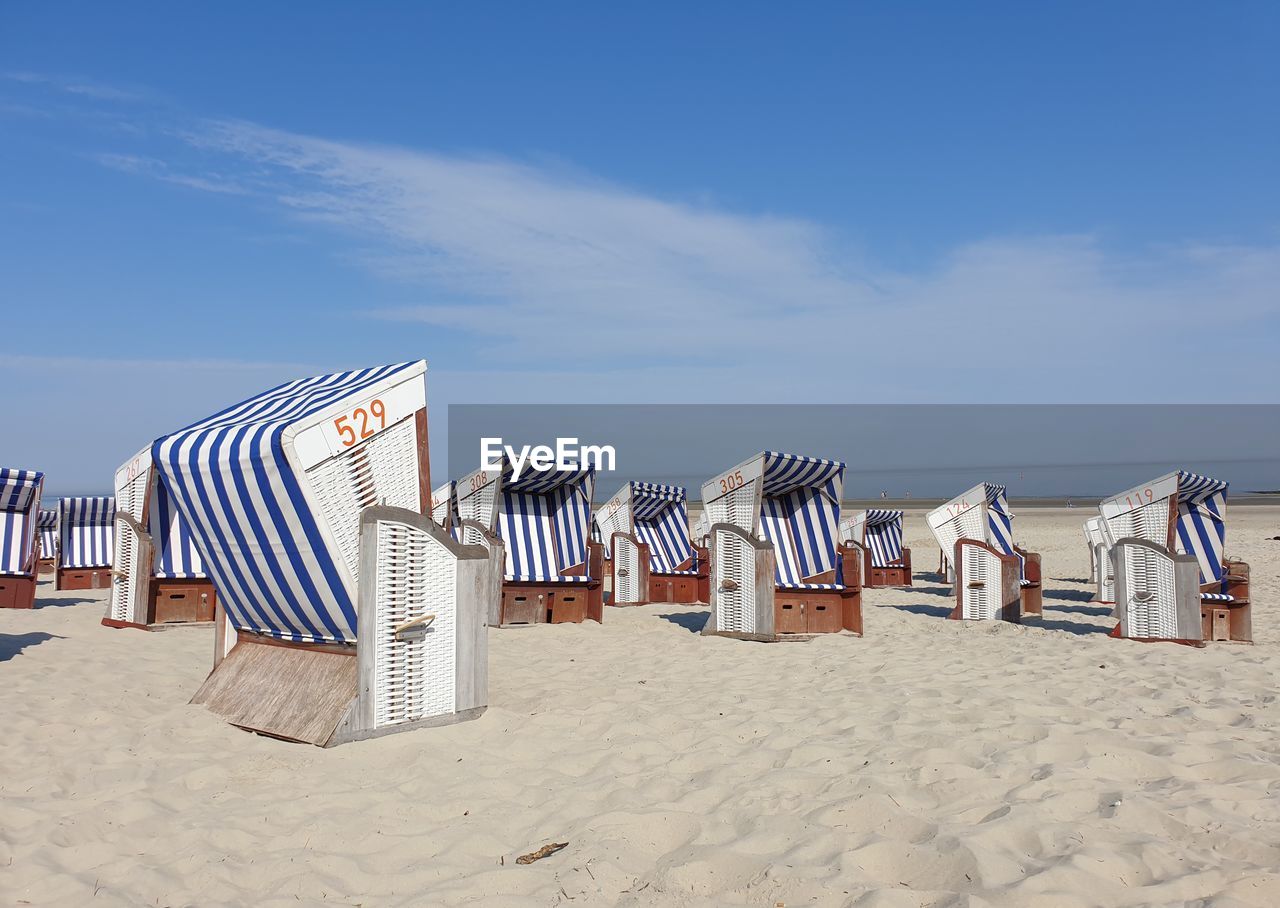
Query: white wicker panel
417	576
1150	523
970	524
617	521
384	470
124	576
626	572
980	603
480	506
736	508
1150	575
131	498
735	560
1107	577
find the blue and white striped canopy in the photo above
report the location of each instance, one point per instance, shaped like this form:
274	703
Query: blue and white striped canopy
660	515
785	473
48	523
176	554
545	522
999	517
19	506
1202	523
800	515
884	536
242	498
87	528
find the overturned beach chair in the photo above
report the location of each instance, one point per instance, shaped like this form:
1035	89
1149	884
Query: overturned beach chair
157	575
994	579
86	543
47	527
777	566
878	532
541	523
20	492
652	556
344	611
1101	573
1172	581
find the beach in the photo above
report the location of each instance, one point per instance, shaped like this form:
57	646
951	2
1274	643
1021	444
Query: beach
930	762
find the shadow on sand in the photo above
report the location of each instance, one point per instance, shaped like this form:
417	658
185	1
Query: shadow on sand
933	611
693	622
13	644
63	603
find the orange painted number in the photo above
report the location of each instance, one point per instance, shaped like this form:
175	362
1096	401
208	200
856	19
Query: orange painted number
377	410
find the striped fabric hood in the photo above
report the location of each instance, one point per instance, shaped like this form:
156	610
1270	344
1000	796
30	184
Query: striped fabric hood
48	524
545	522
1199	529
19	514
661	521
799	510
880	530
87	531
261	487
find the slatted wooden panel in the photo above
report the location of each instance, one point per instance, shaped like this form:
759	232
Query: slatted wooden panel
284	691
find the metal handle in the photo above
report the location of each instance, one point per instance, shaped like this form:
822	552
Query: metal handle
728	586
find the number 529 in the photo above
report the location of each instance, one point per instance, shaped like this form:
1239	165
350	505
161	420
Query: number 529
346	425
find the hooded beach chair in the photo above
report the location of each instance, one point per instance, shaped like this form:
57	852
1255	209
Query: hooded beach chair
47	526
777	566
444	507
701	531
993	577
1101	574
1172	581
652	556
344	610
157	575
86	543
552	570
879	533
19	515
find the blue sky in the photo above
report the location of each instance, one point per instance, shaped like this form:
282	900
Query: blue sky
582	202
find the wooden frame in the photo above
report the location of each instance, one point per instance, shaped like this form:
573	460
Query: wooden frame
83	578
1011	602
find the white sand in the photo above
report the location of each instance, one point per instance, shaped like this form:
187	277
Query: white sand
930	763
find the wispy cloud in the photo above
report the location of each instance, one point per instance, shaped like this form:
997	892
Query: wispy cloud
545	268
84	88
160	170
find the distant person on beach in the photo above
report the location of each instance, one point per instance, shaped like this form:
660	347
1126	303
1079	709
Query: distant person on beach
884	494
908	493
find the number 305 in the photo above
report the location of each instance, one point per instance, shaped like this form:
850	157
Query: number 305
346	425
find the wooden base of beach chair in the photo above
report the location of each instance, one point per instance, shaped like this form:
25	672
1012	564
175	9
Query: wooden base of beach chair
46	566
816	612
297	692
550	603
83	579
703	556
17	592
172	603
1032	594
897	574
182	601
673	588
